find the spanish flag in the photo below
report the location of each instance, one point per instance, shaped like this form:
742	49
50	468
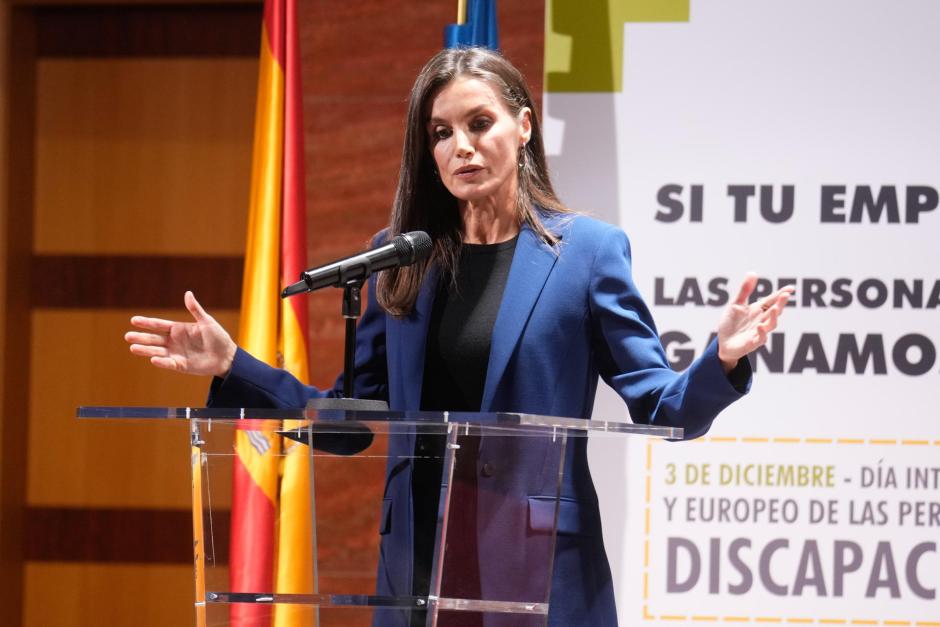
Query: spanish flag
271	527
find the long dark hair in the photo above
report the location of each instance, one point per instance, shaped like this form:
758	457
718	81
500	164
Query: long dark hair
423	203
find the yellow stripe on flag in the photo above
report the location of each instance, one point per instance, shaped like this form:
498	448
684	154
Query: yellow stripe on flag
260	462
257	447
258	326
295	538
295	534
293	345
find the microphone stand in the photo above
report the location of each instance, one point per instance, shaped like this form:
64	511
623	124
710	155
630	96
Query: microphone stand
352	309
352	437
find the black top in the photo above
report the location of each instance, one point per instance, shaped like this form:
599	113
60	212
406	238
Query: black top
461	327
455	363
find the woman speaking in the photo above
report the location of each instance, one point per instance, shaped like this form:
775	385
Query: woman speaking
521	305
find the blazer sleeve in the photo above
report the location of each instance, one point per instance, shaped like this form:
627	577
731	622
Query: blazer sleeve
631	358
253	383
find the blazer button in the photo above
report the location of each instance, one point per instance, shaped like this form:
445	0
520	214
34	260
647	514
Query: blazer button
489	469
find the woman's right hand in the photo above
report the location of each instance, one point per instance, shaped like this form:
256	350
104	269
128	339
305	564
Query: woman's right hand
202	347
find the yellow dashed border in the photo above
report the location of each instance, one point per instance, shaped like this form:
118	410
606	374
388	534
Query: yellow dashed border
781	440
765	619
789	620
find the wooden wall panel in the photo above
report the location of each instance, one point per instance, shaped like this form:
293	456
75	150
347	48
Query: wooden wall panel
4	163
92	595
140	156
134	282
85	361
143	156
134	150
122	29
105	535
19	96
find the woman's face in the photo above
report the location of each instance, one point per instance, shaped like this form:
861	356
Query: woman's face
476	142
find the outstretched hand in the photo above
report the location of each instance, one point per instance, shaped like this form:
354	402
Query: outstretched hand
201	347
744	326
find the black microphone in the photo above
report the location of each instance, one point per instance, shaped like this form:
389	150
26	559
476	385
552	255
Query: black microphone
403	250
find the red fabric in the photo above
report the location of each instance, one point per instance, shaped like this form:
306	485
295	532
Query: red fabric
274	24
293	211
251	552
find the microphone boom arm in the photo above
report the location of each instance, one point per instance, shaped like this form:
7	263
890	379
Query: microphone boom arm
350	273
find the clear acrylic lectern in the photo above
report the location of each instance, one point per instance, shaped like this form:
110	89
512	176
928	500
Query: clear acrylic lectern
338	548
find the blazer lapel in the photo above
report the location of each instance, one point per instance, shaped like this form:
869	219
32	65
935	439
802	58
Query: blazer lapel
410	347
531	264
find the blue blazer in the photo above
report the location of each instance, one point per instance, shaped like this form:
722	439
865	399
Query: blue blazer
568	315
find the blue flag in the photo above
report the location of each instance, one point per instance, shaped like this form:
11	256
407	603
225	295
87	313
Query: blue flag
479	29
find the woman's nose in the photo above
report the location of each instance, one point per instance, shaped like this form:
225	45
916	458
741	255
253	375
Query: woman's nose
465	147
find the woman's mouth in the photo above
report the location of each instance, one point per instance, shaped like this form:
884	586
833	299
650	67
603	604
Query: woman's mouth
467	171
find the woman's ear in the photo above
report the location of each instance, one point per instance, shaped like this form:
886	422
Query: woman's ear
525	124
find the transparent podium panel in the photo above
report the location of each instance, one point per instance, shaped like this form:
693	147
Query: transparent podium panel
376	517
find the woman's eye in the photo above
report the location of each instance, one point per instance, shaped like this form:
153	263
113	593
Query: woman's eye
481	124
441	133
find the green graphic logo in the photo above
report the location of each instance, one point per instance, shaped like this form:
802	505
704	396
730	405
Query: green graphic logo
584	39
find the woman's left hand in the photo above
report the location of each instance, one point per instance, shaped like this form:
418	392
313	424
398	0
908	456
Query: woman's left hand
744	326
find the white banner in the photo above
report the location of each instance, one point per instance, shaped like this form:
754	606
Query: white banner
800	140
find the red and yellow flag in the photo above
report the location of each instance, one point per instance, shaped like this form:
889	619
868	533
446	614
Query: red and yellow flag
271	528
